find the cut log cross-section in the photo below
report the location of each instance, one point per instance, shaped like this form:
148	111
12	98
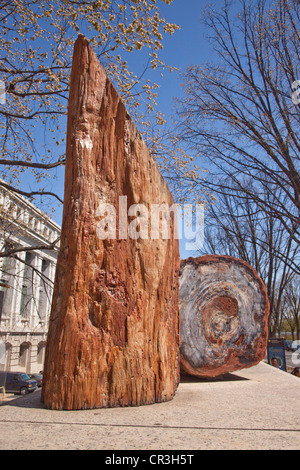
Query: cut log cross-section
224	312
114	327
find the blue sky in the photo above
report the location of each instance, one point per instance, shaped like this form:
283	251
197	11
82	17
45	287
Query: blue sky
185	47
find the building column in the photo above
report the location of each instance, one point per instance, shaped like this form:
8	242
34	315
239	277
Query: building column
17	290
2	280
34	318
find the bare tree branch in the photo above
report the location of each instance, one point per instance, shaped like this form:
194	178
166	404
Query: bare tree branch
31	193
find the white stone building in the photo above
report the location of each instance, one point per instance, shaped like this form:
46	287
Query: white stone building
26	282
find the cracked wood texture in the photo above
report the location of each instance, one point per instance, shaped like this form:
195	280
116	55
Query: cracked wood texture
224	312
114	327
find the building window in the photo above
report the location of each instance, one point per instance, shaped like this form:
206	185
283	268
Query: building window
41	353
1	303
24	354
26	292
24	300
45	267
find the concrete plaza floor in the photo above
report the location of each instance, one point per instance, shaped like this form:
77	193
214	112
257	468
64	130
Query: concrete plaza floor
251	409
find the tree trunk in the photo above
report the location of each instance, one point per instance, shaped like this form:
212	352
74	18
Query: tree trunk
114	328
223	315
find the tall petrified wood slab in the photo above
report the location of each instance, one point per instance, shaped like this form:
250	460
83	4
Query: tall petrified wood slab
114	328
224	312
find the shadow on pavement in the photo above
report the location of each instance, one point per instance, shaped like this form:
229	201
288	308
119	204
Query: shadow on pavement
186	378
32	400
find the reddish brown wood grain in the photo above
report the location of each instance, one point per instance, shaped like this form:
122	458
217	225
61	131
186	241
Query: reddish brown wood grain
114	329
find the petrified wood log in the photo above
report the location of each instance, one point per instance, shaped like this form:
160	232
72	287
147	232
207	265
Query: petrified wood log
114	327
224	312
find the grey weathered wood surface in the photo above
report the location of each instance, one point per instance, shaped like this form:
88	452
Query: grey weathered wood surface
224	312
